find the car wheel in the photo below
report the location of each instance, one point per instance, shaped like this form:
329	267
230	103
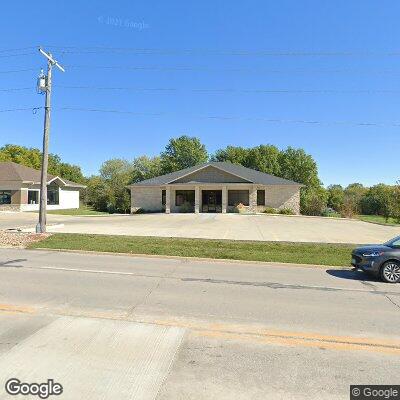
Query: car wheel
390	272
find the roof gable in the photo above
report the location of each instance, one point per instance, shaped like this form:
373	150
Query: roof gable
246	175
11	171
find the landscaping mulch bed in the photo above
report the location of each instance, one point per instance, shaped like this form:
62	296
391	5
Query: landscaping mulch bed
20	239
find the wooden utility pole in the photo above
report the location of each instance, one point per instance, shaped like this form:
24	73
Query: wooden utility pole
45	86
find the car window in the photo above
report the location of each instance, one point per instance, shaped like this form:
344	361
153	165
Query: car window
396	244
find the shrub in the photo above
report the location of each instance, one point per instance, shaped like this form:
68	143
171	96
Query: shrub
186	207
271	210
140	211
240	208
286	211
330	212
313	200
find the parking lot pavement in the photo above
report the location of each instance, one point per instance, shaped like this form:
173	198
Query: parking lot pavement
214	226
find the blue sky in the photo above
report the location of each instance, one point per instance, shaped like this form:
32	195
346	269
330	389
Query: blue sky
239	47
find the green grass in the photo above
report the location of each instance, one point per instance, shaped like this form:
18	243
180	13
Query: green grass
378	219
84	210
303	253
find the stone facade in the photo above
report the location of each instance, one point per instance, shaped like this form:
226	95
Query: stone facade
276	196
147	199
10	207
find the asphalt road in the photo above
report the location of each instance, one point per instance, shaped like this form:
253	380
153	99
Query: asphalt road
112	327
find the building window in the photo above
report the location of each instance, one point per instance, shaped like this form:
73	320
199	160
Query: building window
261	197
236	197
184	196
5	197
163	197
33	196
52	196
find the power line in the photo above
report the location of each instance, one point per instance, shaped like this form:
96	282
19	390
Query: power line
18	70
33	109
219	91
230	90
227	118
18	49
17	55
155	51
15	89
206	69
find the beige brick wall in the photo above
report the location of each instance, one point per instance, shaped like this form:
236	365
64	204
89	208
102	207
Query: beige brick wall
277	196
147	198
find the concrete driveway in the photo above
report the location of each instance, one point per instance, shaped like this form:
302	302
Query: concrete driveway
214	226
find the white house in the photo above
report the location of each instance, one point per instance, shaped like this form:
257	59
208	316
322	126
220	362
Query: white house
20	189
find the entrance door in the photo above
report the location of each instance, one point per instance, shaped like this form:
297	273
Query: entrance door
212	201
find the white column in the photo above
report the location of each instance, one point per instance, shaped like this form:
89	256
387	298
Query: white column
224	199
196	199
167	200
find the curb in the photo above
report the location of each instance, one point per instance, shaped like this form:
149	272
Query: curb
182	258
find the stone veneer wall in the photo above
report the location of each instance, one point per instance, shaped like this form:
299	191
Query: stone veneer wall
147	198
10	207
280	197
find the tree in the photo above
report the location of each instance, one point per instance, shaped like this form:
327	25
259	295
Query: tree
396	202
264	158
32	157
298	166
144	167
313	200
233	154
183	152
116	174
96	193
353	195
335	197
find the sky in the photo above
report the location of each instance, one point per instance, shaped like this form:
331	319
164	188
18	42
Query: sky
312	74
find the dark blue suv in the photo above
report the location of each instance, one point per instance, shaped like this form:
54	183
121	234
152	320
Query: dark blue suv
380	260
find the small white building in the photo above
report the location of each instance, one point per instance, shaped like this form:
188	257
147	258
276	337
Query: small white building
20	189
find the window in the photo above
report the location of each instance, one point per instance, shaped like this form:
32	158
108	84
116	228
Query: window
52	196
184	196
261	197
33	196
163	197
5	197
238	196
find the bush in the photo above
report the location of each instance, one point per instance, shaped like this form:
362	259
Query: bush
186	207
286	211
240	208
313	200
271	210
330	212
140	211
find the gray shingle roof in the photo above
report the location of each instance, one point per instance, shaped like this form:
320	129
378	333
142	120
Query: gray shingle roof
11	171
248	174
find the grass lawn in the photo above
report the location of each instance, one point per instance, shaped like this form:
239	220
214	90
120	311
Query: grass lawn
77	211
378	219
303	253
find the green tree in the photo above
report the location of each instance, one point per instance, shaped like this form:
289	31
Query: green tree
335	197
183	152
353	195
396	202
313	200
264	158
117	174
233	154
32	157
298	166
144	167
96	193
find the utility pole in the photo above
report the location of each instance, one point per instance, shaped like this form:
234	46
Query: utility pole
44	86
